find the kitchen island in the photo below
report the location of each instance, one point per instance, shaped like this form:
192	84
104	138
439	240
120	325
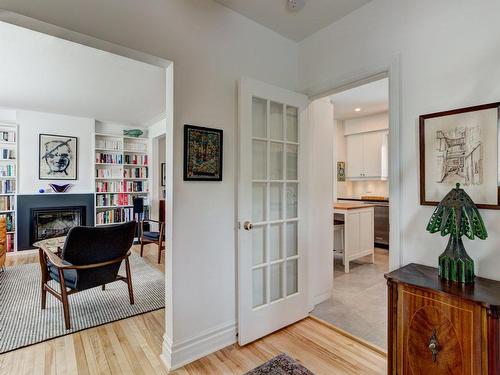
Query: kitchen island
357	232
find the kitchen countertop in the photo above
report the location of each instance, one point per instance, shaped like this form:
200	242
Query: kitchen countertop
351	206
365	199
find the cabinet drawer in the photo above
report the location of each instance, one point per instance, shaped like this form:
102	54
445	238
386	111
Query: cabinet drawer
452	326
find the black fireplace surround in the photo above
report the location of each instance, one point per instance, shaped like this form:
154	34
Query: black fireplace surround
30	207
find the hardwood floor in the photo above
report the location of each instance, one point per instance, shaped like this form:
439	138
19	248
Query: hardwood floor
133	346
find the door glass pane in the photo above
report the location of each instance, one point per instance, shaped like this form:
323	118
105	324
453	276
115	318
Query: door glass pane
259	160
276	281
275	242
259	115
258	245
291	200
291	239
292	124
258	201
292	275
276	161
276	211
276	121
291	162
259	286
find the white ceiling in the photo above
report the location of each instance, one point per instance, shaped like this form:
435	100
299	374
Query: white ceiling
371	98
296	26
43	73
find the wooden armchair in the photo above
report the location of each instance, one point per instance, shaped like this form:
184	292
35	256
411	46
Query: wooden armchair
157	238
90	257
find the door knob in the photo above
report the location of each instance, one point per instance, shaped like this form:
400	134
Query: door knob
247	225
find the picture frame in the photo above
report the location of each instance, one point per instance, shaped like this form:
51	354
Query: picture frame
203	153
460	146
341	171
163	174
57	157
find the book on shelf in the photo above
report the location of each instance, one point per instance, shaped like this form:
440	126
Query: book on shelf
108	144
7	187
10	242
138	172
136	159
9	218
136	146
7	203
7	136
137	186
108	158
7	154
115	216
8	170
111	172
109	186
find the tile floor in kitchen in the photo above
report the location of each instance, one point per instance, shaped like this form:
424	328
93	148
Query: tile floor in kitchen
359	301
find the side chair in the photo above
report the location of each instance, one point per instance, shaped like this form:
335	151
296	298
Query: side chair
157	238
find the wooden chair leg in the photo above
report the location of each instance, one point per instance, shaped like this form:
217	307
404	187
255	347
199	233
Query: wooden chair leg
103	286
64	299
142	246
159	251
44	296
129	281
45	277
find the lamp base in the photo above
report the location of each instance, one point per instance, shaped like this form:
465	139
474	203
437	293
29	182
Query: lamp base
455	264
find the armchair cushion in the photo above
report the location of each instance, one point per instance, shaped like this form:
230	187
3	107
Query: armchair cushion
70	276
153	236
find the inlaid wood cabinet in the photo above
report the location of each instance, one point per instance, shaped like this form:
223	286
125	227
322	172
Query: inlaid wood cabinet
442	328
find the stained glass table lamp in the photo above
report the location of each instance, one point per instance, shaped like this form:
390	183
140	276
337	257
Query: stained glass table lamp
458	216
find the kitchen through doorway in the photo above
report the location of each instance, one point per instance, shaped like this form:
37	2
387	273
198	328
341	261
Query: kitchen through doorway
360	213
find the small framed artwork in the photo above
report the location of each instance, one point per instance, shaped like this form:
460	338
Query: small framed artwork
58	157
460	146
202	153
163	166
341	171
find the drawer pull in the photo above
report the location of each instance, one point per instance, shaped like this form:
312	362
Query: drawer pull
434	346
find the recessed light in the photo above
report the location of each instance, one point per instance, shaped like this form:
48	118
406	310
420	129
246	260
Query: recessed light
357	109
295	5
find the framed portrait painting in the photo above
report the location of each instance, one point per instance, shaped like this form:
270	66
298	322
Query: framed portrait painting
58	157
202	153
460	146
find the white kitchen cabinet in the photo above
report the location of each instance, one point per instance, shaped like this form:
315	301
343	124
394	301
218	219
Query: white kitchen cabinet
367	155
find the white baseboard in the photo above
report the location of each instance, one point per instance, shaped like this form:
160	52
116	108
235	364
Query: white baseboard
179	354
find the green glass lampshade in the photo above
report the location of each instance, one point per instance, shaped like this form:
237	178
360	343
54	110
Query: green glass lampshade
457	216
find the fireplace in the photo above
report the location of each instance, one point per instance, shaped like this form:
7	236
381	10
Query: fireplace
55	221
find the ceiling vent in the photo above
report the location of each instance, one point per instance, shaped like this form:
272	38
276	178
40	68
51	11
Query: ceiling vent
295	5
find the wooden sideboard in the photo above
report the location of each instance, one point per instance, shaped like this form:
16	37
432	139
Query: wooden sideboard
437	327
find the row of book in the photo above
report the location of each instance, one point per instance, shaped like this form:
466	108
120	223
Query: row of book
117	199
7	203
9	218
7	187
107	173
139	172
108	144
136	146
7	154
136	159
115	215
122	186
8	170
7	136
10	242
108	158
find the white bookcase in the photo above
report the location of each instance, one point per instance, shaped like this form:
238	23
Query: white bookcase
8	181
122	172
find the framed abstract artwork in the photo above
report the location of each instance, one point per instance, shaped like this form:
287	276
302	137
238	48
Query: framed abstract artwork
460	146
58	157
341	171
163	174
202	153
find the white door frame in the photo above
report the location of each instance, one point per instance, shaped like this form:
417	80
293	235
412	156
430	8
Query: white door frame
389	69
72	36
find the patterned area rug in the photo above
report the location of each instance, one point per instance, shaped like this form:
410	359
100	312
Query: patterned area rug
280	365
23	322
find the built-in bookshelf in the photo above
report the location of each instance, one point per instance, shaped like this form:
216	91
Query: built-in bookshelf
8	181
122	172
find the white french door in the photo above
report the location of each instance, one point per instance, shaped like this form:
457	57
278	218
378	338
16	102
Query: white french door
272	282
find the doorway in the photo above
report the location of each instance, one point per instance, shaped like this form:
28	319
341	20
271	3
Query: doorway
361	184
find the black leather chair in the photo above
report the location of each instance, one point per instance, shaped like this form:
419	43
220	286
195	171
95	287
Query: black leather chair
90	257
157	238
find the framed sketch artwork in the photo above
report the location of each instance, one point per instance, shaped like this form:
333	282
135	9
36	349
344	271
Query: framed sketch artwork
58	157
202	154
460	146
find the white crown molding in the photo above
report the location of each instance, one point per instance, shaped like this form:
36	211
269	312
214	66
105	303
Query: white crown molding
186	351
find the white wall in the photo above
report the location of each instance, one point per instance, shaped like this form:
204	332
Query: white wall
449	59
379	121
31	124
212	47
321	192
